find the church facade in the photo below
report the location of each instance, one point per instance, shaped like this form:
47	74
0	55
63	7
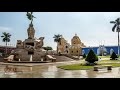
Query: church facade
74	49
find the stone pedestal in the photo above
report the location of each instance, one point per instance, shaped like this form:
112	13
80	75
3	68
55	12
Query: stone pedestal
31	32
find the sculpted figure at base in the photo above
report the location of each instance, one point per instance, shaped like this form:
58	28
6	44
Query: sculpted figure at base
40	43
19	44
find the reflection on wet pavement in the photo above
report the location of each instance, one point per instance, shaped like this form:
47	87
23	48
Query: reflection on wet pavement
51	71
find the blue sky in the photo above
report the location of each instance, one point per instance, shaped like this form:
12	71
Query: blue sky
93	28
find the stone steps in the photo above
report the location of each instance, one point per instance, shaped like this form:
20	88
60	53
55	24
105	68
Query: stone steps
62	58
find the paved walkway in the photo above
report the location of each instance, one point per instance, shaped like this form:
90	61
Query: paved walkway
50	70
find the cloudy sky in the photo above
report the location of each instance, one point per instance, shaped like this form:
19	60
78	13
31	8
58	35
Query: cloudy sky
93	28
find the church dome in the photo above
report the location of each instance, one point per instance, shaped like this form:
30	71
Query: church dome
75	40
76	37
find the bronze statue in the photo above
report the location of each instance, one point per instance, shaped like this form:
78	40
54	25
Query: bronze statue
30	16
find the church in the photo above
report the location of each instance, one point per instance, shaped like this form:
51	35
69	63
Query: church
77	47
74	49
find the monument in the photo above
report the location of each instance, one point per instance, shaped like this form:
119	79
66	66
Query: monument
31	48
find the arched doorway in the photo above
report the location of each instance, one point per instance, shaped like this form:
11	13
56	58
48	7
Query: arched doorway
101	51
111	51
83	52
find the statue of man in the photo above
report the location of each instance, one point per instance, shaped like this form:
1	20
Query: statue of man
30	16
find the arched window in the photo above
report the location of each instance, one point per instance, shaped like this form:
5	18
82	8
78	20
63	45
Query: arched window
111	51
60	43
67	51
83	51
74	42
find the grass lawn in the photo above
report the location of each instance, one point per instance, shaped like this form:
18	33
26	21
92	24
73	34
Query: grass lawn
114	63
108	56
75	67
109	61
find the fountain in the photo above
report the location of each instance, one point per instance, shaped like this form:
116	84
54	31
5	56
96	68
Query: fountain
30	58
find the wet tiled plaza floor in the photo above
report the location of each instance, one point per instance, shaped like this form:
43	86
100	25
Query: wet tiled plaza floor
51	71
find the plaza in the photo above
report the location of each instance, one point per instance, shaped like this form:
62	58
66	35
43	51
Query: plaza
72	57
50	70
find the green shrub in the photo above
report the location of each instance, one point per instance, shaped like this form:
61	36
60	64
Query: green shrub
113	56
84	55
47	48
91	58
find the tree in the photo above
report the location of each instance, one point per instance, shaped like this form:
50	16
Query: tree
57	39
6	38
47	48
113	56
84	55
117	29
91	57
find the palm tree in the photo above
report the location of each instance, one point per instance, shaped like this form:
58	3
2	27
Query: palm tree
117	29
57	39
6	38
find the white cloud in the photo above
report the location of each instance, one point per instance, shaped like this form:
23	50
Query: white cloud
2	29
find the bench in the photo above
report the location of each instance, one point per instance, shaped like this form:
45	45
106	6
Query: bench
109	67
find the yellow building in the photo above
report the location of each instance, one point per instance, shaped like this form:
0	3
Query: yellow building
74	49
61	45
76	46
75	40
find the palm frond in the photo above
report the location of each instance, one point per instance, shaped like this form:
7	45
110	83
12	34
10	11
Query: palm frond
34	17
8	40
6	37
117	20
4	40
113	29
57	38
112	22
